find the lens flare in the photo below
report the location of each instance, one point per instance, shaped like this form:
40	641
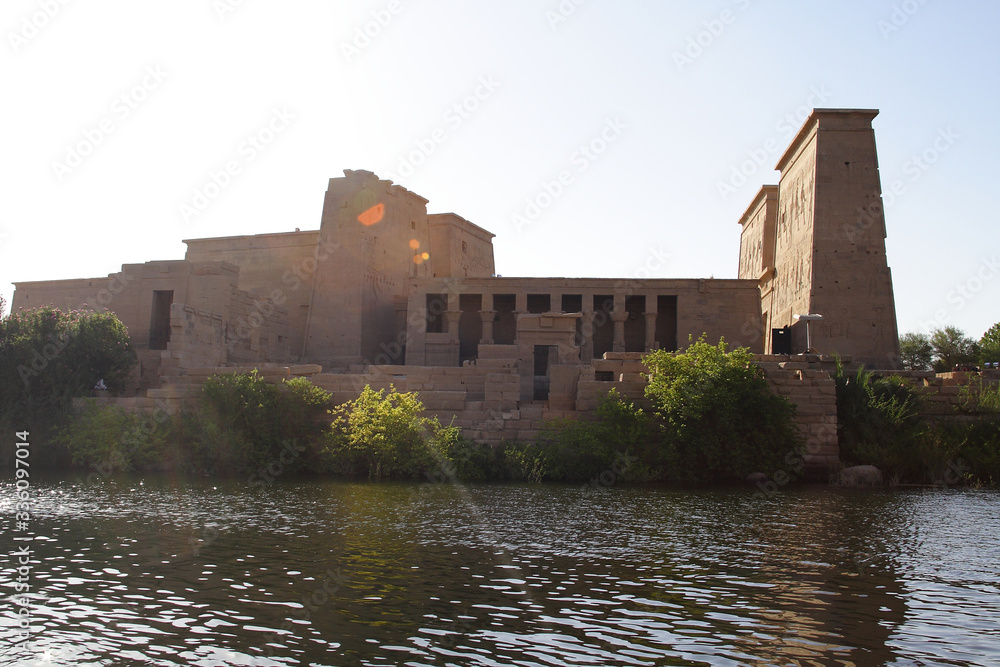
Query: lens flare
372	216
414	244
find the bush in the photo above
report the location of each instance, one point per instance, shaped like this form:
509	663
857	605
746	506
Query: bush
241	423
878	423
108	438
386	435
719	419
577	450
49	357
521	462
979	451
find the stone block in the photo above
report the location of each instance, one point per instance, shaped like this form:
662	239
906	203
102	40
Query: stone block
444	400
498	352
794	365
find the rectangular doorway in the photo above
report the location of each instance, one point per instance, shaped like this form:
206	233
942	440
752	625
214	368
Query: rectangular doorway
159	319
544	357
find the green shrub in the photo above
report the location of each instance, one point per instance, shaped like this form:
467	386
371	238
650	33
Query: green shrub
979	451
240	423
386	435
577	450
108	438
521	462
719	419
879	424
49	357
978	396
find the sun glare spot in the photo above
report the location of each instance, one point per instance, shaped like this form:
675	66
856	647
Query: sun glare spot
372	216
414	244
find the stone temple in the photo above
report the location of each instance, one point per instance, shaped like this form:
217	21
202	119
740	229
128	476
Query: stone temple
384	289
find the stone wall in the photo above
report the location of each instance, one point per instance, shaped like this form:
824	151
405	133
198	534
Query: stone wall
459	248
484	398
614	315
256	331
951	395
806	384
278	266
811	389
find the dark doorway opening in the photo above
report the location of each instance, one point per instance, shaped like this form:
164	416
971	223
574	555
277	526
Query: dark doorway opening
781	340
159	319
666	322
604	327
470	326
539	303
544	358
635	324
437	304
505	325
572	303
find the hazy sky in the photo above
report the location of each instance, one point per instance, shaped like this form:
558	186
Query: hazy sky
120	119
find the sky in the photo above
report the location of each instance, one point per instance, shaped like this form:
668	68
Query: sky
595	138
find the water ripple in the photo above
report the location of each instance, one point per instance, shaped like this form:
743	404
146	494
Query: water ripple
167	571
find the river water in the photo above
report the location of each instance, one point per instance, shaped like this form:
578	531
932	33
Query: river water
161	570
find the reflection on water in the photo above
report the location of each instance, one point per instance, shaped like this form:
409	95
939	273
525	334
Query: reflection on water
172	571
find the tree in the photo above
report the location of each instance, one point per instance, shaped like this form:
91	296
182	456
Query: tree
989	345
719	418
49	357
243	424
916	352
952	347
386	435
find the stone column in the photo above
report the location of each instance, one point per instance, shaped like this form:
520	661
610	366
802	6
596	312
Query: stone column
488	317
650	330
587	332
618	316
452	317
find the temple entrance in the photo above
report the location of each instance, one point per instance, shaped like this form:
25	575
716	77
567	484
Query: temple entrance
470	326
159	319
545	356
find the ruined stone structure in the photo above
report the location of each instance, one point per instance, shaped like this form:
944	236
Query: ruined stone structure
385	293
